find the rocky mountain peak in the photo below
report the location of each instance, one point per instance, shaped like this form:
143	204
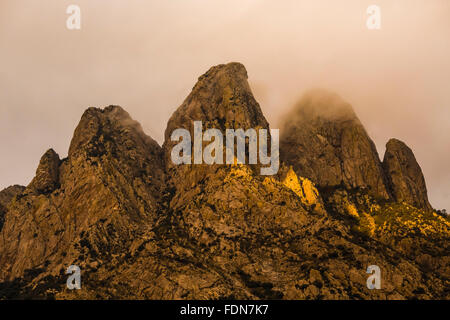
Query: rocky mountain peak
47	173
99	128
404	175
116	147
221	99
323	139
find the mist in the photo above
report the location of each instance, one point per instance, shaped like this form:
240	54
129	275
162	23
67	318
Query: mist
147	55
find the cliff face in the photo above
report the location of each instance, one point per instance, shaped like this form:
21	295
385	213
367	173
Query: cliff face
140	226
324	141
91	204
405	175
221	99
47	173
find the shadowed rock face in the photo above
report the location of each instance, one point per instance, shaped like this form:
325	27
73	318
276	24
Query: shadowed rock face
106	193
324	141
405	175
47	173
6	195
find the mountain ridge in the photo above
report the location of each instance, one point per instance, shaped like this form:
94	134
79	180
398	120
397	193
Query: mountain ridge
140	227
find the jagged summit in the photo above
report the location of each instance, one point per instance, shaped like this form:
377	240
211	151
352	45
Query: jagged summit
112	123
47	173
221	99
404	175
6	195
323	139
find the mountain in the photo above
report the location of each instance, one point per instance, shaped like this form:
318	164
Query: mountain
141	227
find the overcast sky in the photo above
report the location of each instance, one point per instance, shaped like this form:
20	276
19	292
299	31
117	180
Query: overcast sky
147	55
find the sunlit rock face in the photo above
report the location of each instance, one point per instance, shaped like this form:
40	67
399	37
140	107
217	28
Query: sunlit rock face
323	139
303	187
405	175
221	99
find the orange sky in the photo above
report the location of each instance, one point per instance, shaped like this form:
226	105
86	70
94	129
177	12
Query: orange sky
147	55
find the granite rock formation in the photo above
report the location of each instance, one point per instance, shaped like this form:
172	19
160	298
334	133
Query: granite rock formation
404	175
47	173
324	141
